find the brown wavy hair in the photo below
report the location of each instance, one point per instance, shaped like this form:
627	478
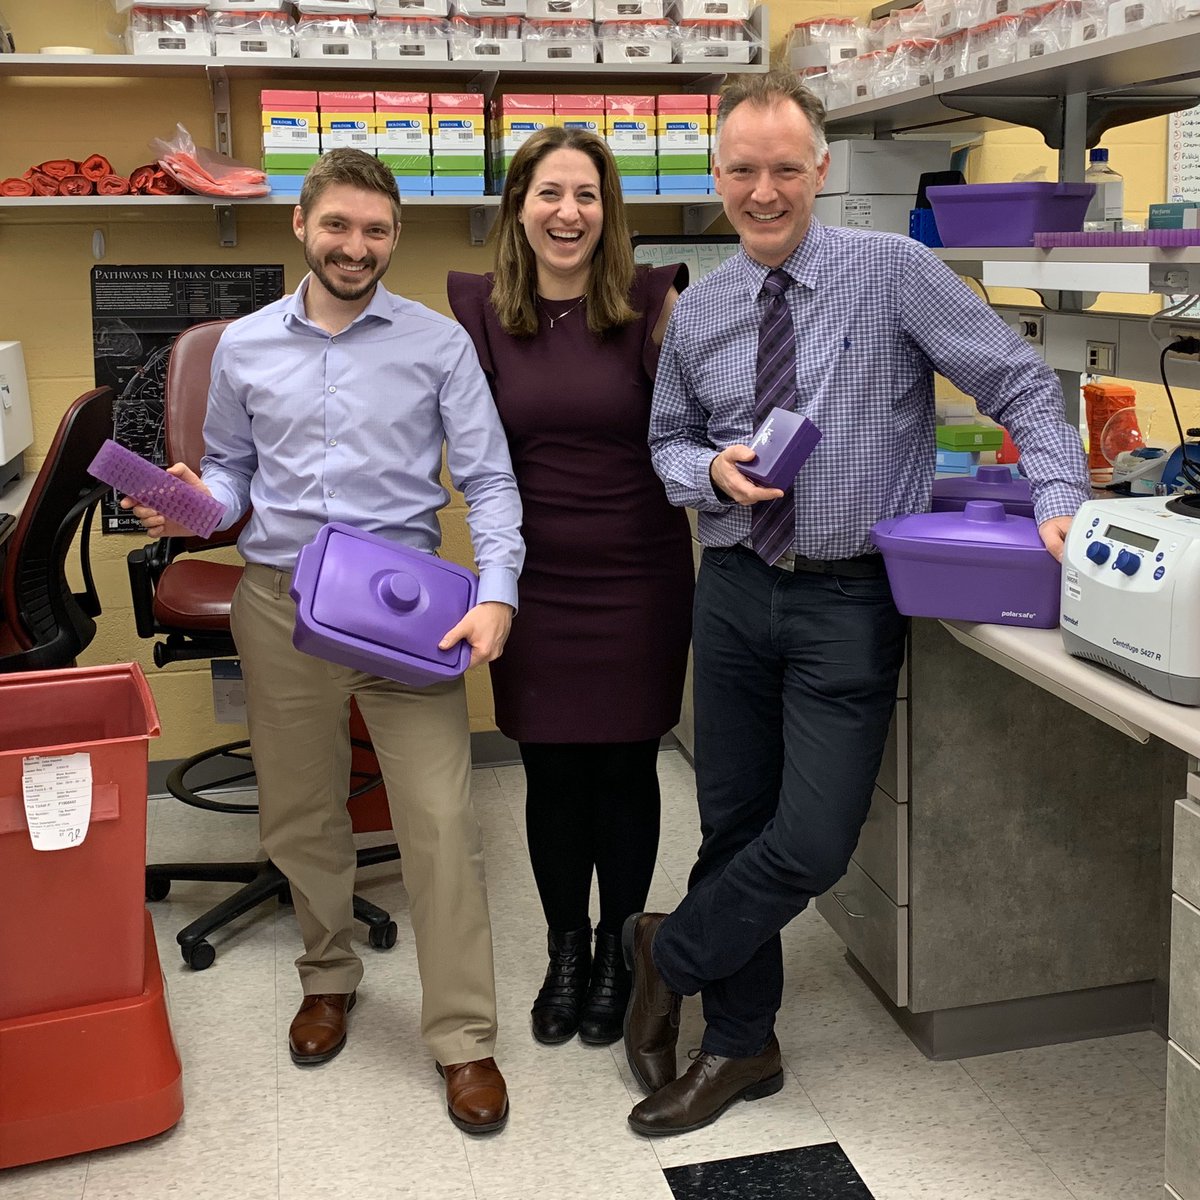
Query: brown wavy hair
514	291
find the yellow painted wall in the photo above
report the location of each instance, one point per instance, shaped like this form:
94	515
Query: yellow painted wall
45	260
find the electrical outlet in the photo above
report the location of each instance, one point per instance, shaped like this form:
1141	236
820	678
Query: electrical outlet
1100	358
1183	331
1029	326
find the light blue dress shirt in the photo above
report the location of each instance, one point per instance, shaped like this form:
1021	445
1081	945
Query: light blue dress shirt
308	427
876	315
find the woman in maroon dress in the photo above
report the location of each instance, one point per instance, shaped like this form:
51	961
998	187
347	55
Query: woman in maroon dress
567	331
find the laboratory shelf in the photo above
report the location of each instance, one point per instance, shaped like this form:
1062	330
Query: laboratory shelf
1161	62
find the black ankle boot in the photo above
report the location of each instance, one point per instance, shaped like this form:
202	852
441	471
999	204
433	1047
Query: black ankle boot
608	993
556	1010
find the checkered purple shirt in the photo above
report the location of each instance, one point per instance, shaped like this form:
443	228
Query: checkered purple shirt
876	315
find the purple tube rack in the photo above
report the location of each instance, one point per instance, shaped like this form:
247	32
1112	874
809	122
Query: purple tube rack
1133	237
155	488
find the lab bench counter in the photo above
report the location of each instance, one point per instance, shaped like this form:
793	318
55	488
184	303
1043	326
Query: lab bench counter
1013	883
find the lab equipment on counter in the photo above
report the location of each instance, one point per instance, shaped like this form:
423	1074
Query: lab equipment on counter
980	564
782	444
1131	591
988	483
376	605
16	417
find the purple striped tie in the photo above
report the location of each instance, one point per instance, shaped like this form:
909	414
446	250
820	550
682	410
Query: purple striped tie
773	522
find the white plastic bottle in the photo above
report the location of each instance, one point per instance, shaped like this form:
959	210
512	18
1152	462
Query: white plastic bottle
1108	204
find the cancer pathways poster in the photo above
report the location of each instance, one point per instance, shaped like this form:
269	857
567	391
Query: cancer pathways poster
137	313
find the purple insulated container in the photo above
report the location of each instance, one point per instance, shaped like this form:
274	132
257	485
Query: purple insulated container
782	444
976	565
373	604
988	483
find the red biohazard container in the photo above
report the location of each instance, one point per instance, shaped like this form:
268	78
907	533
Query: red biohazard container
72	929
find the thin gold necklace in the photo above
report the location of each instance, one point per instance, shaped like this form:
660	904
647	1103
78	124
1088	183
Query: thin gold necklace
565	313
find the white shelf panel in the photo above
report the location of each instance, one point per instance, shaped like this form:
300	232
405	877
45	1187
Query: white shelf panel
26	203
145	66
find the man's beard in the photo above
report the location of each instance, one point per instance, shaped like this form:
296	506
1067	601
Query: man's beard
356	291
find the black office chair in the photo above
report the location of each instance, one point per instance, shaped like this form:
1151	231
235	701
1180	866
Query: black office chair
182	599
43	623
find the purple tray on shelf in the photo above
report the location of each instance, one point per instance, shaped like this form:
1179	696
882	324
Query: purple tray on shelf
1006	214
988	483
782	444
132	475
976	565
373	604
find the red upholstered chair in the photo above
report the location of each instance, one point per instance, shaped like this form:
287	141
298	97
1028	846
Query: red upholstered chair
181	598
43	623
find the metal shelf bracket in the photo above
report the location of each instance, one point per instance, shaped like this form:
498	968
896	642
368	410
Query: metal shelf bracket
226	225
698	217
481	221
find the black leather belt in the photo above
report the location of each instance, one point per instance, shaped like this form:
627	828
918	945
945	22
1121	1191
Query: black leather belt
862	566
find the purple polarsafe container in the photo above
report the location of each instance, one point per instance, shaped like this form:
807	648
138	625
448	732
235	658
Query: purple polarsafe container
980	564
367	602
951	494
782	444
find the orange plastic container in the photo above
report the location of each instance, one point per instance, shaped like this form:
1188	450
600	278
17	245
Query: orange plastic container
1101	401
72	927
84	1078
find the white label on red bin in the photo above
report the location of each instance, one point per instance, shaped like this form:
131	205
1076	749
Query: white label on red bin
57	789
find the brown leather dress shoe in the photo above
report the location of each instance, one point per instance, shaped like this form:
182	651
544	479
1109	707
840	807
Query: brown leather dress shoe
652	1015
706	1089
476	1095
318	1030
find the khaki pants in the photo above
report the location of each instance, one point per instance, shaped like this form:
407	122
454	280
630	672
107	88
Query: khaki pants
298	712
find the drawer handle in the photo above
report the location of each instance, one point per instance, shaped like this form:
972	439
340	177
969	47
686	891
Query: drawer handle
840	897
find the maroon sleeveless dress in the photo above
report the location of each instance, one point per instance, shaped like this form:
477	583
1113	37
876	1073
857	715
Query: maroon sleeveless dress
598	649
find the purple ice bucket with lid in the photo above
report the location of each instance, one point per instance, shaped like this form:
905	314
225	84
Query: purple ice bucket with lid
980	564
367	602
988	483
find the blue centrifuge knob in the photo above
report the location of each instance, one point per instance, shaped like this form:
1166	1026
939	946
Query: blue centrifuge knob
1098	552
1127	562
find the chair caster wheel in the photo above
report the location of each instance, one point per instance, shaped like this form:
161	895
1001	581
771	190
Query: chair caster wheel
199	956
158	889
383	937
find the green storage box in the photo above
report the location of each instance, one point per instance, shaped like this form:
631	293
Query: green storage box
969	437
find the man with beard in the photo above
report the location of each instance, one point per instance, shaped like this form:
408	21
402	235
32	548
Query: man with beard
333	404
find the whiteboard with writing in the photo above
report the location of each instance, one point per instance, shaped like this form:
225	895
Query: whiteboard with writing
1183	155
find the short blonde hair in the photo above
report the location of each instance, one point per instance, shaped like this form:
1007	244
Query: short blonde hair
764	91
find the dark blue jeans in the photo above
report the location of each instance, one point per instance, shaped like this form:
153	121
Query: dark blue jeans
795	685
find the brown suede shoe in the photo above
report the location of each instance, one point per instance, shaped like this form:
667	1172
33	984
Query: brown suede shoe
318	1030
476	1095
652	1015
707	1088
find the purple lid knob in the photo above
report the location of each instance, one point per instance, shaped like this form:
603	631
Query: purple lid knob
994	474
989	511
400	591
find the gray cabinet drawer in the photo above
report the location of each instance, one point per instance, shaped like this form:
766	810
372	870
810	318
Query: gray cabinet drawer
882	849
1183	1124
874	929
1186	862
893	770
1184	1018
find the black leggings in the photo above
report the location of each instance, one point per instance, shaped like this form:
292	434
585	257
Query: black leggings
591	807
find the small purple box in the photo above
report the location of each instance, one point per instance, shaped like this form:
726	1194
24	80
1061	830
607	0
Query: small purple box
376	605
988	483
976	565
782	444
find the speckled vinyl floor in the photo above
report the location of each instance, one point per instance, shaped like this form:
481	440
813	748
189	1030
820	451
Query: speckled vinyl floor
863	1114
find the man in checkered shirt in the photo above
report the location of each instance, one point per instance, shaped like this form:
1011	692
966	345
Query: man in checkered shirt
796	663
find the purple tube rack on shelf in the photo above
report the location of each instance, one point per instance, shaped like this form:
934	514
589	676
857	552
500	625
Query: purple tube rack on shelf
1132	237
155	488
